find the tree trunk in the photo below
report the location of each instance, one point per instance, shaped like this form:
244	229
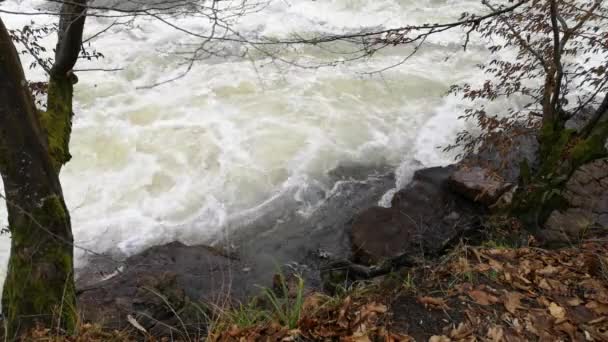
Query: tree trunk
57	120
39	286
562	151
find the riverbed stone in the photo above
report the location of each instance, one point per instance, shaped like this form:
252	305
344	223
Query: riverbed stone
423	219
158	286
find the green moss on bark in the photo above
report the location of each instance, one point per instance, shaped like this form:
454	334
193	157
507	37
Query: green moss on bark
39	285
40	278
594	147
57	120
562	152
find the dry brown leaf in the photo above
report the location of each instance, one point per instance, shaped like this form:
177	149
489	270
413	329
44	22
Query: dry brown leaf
461	332
496	265
482	297
482	267
520	286
567	328
359	338
595	333
313	301
522	278
558	286
512	301
437	338
557	311
463	265
342	320
598	320
525	266
542	300
544	284
599	308
374	307
574	301
433	301
496	334
547	270
394	337
538	322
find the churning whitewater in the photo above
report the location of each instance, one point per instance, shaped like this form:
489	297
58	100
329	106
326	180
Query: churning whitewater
195	158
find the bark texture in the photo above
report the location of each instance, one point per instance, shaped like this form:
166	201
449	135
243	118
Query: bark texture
562	151
57	120
39	286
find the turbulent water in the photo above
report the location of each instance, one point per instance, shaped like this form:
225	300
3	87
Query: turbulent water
185	160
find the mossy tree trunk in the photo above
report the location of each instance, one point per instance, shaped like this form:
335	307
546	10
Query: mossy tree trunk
34	145
39	286
562	151
57	119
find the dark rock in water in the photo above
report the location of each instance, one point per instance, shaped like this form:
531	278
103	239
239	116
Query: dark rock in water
155	285
478	184
423	219
587	195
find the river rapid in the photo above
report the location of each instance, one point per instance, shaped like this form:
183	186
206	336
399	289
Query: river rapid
197	158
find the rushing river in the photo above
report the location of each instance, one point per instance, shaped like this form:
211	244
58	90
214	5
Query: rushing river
183	161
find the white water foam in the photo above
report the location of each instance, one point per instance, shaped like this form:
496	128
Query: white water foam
180	161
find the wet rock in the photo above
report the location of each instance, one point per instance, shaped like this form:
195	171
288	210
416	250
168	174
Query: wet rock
159	285
587	214
423	219
478	184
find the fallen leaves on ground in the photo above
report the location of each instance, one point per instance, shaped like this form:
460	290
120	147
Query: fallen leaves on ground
482	294
488	294
523	294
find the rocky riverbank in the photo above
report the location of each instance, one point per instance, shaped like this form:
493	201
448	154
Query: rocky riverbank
236	268
439	208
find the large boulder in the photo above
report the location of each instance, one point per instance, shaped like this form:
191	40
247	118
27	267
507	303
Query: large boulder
485	176
161	288
478	184
587	212
423	219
